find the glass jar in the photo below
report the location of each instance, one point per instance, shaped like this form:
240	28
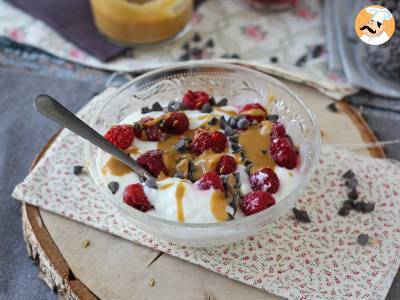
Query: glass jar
138	22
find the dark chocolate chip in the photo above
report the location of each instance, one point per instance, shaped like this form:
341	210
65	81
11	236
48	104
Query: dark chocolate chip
243	123
368	207
363	239
206	108
248	168
235	56
230	217
348	174
210	43
344	211
145	110
184	57
349	203
352	183
273	59
229	131
156	107
301	215
181	146
196	37
247	162
78	170
234	139
113	186
332	107
178	106
213	121
264	152
232	122
273	118
222	122
212	101
222	102
151	183
353	194
236	147
359	206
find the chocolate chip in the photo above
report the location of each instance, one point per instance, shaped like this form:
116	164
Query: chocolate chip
151	183
236	147
348	174
222	102
186	46
145	110
234	139
206	108
196	37
229	131
156	107
232	122
352	183
210	43
332	107
273	59
272	118
181	146
368	207
359	206
349	203
234	55
213	121
301	215
222	122
212	101
243	123
247	162
180	175
78	170
230	217
113	186
264	152
363	239
344	211
353	194
248	168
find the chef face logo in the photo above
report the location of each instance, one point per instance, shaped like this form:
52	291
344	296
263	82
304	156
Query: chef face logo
374	25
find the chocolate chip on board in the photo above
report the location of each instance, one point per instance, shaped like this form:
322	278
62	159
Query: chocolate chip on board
301	215
113	186
344	211
348	174
363	239
368	207
78	170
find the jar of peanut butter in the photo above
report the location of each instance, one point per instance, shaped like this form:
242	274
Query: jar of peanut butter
139	22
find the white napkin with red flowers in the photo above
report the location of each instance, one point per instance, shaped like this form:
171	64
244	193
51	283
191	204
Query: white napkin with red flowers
321	259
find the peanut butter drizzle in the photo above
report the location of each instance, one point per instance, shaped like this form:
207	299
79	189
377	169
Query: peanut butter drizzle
218	205
132	150
115	167
229	112
254	140
254	112
179	193
166	186
205	162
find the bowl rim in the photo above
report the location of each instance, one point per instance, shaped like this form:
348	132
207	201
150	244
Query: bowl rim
188	66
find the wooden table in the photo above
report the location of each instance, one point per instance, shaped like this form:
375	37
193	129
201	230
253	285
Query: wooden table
114	268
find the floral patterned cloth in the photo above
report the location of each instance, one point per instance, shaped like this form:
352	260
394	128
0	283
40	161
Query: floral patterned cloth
321	259
289	43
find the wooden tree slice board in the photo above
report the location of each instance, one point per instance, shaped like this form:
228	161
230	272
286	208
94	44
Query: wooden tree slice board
114	268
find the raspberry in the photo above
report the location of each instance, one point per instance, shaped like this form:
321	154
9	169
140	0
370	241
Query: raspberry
134	196
121	136
264	180
226	165
284	153
152	160
208	180
254	112
201	142
195	100
255	202
175	123
218	142
277	131
146	130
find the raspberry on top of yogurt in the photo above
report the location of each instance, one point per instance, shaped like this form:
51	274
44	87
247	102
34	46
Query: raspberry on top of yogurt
212	162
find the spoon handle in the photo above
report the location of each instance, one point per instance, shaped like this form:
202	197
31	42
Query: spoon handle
52	109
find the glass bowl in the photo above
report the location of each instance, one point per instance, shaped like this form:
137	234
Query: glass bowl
240	85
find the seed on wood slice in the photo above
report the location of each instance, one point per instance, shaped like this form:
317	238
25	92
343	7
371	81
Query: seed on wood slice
348	174
113	186
145	110
78	170
332	107
301	215
86	243
363	239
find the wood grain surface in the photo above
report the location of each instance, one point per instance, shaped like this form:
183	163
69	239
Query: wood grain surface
114	268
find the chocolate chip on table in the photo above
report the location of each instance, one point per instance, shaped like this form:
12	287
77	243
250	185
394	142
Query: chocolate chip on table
273	59
272	118
363	239
206	108
151	183
212	101
210	43
332	107
145	110
243	123
229	131
301	215
348	174
156	107
222	102
349	203
213	121
232	122
113	186
368	207
78	170
344	210
351	183
353	194
196	37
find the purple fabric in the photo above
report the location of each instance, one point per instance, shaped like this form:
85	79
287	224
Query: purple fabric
73	20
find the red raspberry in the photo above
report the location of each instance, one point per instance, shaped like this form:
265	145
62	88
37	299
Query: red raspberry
264	180
277	131
175	123
195	100
153	161
134	196
121	136
218	142
255	202
226	165
208	180
147	130
284	153
201	142
254	112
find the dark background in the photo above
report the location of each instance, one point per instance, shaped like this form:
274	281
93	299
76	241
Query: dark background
26	72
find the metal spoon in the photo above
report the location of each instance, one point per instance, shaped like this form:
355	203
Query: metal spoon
52	109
